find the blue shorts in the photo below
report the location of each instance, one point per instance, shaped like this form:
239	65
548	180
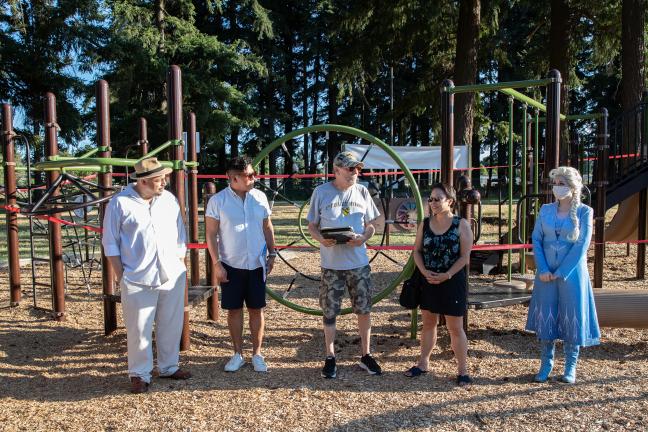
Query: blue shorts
243	285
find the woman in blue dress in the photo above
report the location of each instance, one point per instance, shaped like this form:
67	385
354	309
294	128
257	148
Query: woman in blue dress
562	304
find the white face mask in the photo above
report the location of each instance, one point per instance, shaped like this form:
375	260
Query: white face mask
561	192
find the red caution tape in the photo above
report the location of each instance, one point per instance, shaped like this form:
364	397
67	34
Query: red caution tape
399	247
492	247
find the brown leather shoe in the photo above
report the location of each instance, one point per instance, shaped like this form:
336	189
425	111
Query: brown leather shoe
138	385
180	374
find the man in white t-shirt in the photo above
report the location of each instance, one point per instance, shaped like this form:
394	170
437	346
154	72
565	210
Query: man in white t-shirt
240	238
343	203
144	240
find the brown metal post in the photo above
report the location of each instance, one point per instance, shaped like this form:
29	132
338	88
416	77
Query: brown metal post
447	131
143	137
601	186
102	97
57	270
174	103
212	302
465	204
641	235
13	246
643	195
192	182
552	148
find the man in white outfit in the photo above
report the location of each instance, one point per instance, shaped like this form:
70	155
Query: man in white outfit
144	239
241	243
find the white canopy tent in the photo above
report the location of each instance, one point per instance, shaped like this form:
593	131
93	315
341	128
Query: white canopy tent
414	157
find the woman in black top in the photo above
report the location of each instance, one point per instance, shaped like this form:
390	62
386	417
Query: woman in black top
441	253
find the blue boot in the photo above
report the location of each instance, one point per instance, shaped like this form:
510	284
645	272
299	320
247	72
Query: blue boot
571	358
546	361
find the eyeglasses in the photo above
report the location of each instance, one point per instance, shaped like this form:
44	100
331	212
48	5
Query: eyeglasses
353	169
435	199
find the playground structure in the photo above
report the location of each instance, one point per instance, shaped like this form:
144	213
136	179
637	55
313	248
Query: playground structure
55	168
619	174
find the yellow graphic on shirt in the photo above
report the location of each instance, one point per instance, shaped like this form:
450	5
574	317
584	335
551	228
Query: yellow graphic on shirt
346	210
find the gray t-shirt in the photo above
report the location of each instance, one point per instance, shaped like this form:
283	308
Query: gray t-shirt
334	208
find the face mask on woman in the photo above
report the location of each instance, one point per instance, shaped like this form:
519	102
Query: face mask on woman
561	192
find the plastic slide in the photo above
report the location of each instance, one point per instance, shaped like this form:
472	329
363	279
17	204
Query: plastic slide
623	225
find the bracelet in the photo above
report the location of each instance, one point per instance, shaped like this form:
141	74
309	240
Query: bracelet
449	275
272	254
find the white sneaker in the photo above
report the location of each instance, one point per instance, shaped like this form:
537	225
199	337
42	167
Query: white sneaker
235	363
259	363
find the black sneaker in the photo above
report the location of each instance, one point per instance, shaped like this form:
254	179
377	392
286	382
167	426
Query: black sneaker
369	364
329	370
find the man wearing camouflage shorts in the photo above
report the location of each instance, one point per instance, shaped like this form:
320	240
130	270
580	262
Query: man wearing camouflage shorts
338	204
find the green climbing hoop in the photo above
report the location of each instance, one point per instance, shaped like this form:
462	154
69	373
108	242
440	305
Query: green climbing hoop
409	266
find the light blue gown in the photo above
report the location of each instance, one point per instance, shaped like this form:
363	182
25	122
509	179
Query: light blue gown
563	308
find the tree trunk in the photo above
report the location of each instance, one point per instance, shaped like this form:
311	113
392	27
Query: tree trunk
334	144
466	68
305	110
222	157
316	88
560	58
234	142
632	52
288	101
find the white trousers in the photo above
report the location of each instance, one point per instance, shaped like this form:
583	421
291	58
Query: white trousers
142	306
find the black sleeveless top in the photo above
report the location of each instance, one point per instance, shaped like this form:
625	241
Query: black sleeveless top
440	252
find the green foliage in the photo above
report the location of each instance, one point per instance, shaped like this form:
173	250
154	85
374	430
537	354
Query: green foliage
148	37
45	47
254	70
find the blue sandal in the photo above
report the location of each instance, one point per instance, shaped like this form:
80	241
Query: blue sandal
414	371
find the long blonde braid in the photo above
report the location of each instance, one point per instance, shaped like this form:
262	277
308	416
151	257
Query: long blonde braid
575	183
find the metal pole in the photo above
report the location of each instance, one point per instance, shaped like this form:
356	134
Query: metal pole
447	131
57	270
536	153
13	245
102	95
143	137
465	201
601	185
391	103
511	174
194	254
212	302
641	235
552	147
174	98
643	195
523	184
447	159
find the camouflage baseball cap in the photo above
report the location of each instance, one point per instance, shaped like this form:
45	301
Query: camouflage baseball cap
347	159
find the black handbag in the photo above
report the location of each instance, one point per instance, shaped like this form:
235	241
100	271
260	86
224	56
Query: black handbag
410	296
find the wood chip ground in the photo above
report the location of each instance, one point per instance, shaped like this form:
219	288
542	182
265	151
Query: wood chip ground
69	376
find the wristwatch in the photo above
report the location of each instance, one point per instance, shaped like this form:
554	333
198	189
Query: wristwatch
272	254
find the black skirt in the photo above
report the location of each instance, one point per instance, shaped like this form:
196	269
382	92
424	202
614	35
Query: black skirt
447	298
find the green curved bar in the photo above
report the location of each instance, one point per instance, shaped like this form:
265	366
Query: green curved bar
301	227
409	266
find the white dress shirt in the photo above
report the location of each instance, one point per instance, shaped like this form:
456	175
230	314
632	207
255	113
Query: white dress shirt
241	243
149	237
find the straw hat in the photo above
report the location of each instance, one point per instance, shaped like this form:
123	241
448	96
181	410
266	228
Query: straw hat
148	168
